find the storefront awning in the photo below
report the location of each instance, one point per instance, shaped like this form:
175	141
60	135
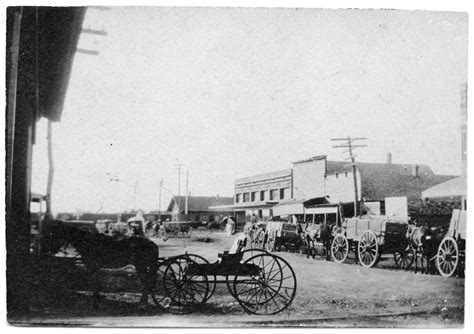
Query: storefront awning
289	208
243	206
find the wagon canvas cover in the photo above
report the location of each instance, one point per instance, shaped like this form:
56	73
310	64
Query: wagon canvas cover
377	224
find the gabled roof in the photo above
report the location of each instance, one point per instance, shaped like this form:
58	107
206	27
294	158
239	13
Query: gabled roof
380	180
453	187
199	203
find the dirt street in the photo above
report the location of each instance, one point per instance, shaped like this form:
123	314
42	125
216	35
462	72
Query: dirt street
328	295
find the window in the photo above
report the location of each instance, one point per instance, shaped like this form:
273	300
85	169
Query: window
253	196
246	197
273	194
237	198
331	218
284	193
319	218
262	195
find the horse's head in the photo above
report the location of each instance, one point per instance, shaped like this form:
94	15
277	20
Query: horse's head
53	236
412	227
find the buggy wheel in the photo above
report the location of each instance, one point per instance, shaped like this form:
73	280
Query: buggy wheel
447	257
368	249
246	254
264	284
183	284
270	244
212	283
159	295
403	259
339	248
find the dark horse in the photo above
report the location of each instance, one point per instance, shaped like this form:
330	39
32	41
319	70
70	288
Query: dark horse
424	241
100	251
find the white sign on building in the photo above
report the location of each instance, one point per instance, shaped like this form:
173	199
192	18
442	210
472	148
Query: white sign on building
396	206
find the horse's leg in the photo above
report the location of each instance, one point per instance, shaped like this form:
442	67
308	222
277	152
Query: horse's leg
148	276
97	286
415	258
423	269
142	275
309	242
327	248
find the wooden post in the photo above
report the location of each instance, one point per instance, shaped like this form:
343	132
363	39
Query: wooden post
50	170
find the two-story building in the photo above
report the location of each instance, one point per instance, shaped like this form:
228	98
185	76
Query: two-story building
316	178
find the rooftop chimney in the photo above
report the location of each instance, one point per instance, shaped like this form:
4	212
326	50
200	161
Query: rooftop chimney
389	158
415	171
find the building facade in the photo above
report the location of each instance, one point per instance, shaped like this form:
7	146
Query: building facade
259	193
317	177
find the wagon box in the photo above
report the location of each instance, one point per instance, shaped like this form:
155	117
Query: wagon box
380	225
371	236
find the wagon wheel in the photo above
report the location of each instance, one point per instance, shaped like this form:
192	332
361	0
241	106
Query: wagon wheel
403	258
447	257
265	284
186	290
339	248
270	244
368	249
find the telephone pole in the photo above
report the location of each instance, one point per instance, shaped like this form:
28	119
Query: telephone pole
159	200
187	193
179	165
349	144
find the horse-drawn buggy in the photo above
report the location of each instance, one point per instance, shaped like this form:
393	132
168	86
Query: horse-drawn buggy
372	236
261	282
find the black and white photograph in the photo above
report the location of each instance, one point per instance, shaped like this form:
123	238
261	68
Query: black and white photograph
236	166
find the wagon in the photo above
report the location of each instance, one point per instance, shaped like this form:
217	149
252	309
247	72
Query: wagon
104	226
372	236
451	253
262	283
136	225
282	233
175	229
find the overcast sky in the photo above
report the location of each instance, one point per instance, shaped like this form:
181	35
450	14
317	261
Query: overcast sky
235	92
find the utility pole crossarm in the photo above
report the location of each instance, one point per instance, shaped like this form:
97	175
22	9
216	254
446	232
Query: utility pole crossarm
349	138
350	147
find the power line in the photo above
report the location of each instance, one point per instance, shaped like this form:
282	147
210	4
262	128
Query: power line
350	149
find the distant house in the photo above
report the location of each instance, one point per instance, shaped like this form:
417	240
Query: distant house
198	208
